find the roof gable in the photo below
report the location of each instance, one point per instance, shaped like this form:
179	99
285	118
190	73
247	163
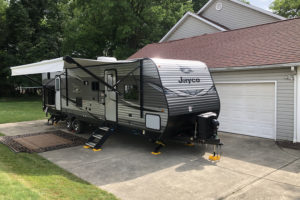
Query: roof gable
268	44
199	18
245	5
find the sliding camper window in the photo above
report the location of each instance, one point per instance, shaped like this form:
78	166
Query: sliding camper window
131	92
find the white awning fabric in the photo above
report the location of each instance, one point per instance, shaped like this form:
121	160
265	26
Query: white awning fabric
56	65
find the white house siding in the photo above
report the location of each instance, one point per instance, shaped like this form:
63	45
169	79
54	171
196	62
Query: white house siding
285	94
191	27
235	16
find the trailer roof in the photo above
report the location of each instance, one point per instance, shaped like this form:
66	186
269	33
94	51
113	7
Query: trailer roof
57	65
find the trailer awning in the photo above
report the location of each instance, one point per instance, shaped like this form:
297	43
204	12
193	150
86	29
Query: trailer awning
56	65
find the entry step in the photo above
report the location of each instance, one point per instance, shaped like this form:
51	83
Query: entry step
104	128
91	144
97	139
98	136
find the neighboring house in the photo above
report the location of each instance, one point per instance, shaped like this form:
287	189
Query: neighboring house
257	75
217	16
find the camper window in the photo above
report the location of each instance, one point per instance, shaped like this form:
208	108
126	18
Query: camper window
109	81
95	86
131	92
57	84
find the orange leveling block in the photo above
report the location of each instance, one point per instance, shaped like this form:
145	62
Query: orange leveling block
216	155
97	149
156	150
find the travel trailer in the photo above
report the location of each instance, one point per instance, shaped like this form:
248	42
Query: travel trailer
161	99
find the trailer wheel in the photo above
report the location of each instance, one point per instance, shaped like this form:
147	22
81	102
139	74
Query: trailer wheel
50	121
69	124
77	126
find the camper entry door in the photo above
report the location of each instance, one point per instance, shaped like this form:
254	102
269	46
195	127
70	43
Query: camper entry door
110	96
57	94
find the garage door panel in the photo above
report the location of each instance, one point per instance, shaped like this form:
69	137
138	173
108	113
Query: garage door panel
248	108
252	102
251	108
247	114
244	122
249	130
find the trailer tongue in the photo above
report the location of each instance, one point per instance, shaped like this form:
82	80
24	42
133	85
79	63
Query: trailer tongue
161	99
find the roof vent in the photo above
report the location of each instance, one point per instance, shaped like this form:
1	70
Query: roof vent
106	59
219	6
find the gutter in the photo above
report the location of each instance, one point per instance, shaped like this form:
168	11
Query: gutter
227	69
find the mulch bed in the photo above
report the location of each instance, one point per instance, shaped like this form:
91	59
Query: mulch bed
41	142
288	144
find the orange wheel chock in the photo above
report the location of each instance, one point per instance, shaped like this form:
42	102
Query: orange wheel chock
86	147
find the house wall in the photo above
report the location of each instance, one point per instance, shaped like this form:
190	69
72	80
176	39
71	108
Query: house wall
285	94
191	27
235	16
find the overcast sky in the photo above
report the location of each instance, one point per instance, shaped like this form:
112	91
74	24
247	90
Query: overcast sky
264	4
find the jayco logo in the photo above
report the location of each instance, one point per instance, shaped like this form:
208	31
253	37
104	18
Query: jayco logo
188	80
185	70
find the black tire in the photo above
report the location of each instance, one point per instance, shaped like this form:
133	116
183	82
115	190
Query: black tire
50	121
77	126
69	124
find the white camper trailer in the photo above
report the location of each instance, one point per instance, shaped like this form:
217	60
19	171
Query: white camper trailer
161	99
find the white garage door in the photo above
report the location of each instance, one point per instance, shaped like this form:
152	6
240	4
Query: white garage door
247	108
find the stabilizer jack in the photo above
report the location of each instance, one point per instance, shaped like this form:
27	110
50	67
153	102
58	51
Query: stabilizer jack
217	153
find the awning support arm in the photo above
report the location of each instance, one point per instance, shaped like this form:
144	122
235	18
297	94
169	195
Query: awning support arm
141	89
70	60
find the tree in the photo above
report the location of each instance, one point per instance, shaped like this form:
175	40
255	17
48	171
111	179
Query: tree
245	1
286	8
198	4
119	28
33	32
4	72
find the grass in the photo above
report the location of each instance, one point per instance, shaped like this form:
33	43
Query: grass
29	176
20	109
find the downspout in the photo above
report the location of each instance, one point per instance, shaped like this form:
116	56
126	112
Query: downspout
297	105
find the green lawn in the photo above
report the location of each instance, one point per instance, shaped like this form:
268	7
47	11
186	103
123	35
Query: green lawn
29	176
20	109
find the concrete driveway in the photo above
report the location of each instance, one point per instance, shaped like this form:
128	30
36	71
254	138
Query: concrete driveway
250	168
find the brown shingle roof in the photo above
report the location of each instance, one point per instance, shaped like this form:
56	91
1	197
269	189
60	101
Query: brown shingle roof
273	43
